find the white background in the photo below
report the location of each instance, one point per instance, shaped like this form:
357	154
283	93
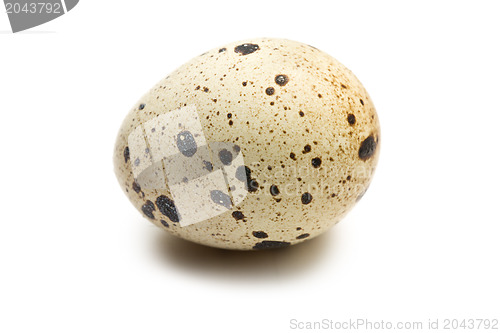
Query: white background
75	256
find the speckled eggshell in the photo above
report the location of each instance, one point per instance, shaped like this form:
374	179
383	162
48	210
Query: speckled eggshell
307	129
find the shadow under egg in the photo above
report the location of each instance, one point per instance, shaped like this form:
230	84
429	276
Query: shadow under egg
278	264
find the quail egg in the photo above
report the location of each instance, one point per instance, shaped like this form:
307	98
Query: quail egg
257	144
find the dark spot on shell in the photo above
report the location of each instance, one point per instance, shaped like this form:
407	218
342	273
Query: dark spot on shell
136	187
222	50
225	156
229	115
281	79
303	236
259	234
307	148
126	154
236	148
320	96
186	144
316	162
164	223
252	185
208	165
274	190
367	148
167	208
293	157
361	101
244	84
243	173
351	119
270	245
238	215
142	106
221	198
348	177
148	209
230	123
343	86
270	91
306	198
301	113
245	49
205	89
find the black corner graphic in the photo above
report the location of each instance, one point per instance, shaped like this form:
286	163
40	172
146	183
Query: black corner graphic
26	14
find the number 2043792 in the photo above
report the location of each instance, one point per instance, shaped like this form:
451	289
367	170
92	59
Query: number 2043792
33	8
483	324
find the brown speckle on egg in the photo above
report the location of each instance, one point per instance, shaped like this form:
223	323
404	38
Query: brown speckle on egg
281	79
126	154
148	208
246	48
367	148
306	198
167	207
260	234
316	162
186	143
238	215
274	190
225	156
270	245
208	165
351	119
136	187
